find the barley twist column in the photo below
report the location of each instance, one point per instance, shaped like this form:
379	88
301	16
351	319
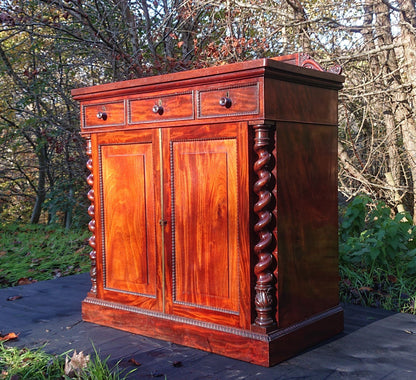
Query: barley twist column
91	224
265	284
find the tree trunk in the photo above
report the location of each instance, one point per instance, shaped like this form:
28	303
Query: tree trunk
41	188
393	111
352	170
408	24
69	211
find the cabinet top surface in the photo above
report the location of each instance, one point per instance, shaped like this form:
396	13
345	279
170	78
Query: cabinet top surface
295	67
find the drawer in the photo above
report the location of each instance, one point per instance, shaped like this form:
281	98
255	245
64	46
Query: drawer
103	114
161	108
228	101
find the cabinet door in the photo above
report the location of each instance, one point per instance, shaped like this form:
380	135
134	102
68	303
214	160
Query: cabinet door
205	250
128	219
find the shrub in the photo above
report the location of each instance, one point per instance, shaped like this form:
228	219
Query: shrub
377	255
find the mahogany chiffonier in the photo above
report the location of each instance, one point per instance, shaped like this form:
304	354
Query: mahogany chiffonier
214	207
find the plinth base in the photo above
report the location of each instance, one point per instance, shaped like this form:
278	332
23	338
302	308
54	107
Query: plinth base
265	349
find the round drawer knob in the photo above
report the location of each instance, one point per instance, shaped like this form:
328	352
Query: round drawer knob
157	109
101	115
225	102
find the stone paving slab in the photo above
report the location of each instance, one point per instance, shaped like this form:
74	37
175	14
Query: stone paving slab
375	344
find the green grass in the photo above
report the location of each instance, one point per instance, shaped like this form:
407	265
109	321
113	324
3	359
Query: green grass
21	363
38	252
377	288
18	363
35	253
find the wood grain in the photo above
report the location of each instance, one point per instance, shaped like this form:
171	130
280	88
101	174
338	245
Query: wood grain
205	212
130	258
261	349
244	100
113	114
173	107
307	220
313	105
129	250
213	225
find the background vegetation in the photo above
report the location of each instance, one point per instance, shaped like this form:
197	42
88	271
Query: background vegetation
48	47
377	256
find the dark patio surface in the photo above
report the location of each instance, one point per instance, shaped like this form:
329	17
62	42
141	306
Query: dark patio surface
375	344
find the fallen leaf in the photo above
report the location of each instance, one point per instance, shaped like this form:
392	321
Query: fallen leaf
2	253
14	298
9	336
76	364
25	281
365	289
57	273
134	362
392	279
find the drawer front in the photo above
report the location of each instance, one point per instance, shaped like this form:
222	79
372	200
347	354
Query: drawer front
163	108
228	101
103	114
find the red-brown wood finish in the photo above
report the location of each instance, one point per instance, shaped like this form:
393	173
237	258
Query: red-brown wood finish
161	107
130	242
104	114
214	207
214	199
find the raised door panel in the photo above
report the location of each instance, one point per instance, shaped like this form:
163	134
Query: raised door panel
127	192
205	223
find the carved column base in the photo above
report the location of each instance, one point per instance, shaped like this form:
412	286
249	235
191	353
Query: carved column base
264	329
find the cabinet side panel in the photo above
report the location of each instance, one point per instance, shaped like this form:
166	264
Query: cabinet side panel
206	225
312	105
307	220
127	183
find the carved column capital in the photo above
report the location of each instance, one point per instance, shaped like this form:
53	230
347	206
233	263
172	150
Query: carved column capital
265	302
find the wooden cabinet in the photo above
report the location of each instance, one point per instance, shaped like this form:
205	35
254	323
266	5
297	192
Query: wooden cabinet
214	207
